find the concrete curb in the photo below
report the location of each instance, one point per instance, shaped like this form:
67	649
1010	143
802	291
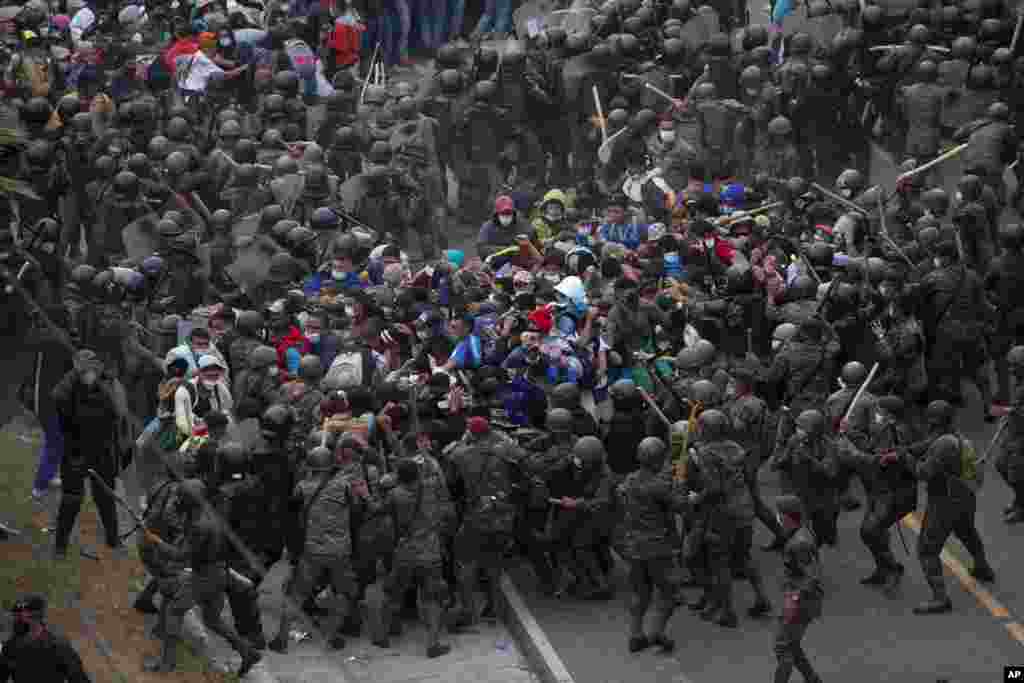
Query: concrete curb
532	640
221	657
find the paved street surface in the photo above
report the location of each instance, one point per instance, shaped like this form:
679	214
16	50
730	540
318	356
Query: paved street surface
484	655
863	636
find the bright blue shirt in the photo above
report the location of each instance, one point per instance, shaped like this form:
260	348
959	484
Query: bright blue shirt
468	353
316	281
629	235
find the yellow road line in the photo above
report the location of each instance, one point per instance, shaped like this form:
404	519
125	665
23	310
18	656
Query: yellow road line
985	598
1016	630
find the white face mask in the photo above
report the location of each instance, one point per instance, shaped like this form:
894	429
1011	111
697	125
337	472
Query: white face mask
937	262
313	337
272	371
709	241
958	197
505	219
880	419
338	274
846	192
667	135
423	336
350	311
209	384
752	92
776	344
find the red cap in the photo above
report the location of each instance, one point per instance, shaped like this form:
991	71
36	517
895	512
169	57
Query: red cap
478	425
504	204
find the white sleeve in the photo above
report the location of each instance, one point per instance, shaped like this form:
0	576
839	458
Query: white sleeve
183	411
227	402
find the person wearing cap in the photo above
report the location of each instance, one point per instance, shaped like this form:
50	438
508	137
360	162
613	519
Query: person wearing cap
205	392
615	229
199	344
90	405
506	228
35	653
82	24
195	70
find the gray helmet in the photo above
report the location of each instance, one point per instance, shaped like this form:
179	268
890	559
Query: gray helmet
651	452
559	421
262	357
310	368
565	395
811	421
713	425
623	390
590	450
319	459
854	373
1015	358
706	392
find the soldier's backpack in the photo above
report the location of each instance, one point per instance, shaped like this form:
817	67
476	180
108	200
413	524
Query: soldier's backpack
351	368
972	469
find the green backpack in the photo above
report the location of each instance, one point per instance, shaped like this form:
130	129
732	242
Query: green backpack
972	469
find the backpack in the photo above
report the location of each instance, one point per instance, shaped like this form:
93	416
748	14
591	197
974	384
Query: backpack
972	470
351	368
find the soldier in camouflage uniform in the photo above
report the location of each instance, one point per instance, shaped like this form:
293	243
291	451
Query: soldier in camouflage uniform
891	489
809	468
304	395
718	475
949	471
488	474
752	426
422	510
1009	455
856	428
324	502
583	491
204	550
802	592
649	499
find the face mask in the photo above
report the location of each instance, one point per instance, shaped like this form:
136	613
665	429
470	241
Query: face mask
667	135
801	435
350	311
422	336
577	462
958	197
505	220
272	371
751	92
314	338
880	419
224	42
846	192
937	262
709	241
552	277
208	384
776	344
338	274
553	216
89	378
886	292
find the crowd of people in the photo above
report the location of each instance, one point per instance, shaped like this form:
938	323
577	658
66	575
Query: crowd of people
666	301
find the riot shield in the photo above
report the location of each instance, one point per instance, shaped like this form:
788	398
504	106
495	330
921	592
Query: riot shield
700	27
252	262
140	238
